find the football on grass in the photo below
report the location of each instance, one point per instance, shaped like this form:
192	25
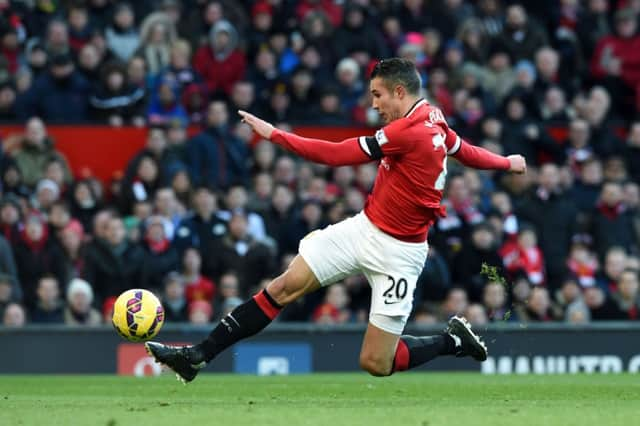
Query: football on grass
138	315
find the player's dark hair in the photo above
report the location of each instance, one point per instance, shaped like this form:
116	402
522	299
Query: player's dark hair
398	72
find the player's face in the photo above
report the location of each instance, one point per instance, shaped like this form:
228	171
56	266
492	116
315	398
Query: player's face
384	100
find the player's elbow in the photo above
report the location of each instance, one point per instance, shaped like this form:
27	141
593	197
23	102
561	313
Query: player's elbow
376	366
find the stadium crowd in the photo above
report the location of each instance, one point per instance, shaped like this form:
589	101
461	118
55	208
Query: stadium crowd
206	220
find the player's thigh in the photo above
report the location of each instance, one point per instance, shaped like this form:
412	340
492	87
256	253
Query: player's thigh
393	284
378	351
332	253
294	283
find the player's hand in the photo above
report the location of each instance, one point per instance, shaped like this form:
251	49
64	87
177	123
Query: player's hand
518	164
258	125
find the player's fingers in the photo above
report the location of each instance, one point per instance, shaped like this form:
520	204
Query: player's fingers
246	117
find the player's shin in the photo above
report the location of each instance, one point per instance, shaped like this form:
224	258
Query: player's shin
244	321
414	351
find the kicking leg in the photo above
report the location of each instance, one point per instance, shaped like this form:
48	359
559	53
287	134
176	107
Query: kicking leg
384	352
244	321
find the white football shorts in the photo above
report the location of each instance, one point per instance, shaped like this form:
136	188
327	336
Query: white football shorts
391	266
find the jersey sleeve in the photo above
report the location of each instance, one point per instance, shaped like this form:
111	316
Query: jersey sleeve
346	153
392	139
452	142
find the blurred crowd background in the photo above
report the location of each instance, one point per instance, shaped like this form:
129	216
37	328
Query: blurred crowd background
205	215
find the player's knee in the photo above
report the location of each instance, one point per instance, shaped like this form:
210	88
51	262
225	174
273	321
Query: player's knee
374	365
284	289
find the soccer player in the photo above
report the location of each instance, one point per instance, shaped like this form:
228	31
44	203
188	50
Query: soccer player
387	242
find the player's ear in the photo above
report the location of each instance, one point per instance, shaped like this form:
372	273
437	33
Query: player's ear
399	91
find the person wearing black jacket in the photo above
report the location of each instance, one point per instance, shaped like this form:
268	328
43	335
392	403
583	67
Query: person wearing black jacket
480	249
112	265
216	157
116	101
553	215
36	255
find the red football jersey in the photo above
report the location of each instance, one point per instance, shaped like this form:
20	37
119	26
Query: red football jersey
413	151
405	199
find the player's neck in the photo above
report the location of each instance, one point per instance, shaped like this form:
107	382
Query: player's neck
408	104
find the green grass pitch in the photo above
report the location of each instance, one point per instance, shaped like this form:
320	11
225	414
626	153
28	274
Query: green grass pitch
417	399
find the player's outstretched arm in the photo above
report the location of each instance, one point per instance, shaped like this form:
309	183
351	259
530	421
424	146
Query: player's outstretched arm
480	158
345	153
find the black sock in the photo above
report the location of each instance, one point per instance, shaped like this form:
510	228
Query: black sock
244	321
414	351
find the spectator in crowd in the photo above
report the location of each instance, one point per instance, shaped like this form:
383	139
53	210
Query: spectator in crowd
627	297
112	264
58	218
216	157
8	96
462	215
179	72
90	60
14	316
615	59
173	299
521	35
524	255
160	257
587	187
12	181
220	62
36	255
455	303
200	228
79	310
350	84
122	36
198	287
237	251
569	293
600	305
142	186
582	262
436	275
593	25
8	268
6	292
157	34
62	84
229	290
615	262
237	200
47	192
55	170
482	249
80	28
84	203
10	219
57	38
334	310
611	221
71	238
49	308
553	216
538	305
200	312
116	101
495	302
358	34
476	315
165	105
35	151
632	151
